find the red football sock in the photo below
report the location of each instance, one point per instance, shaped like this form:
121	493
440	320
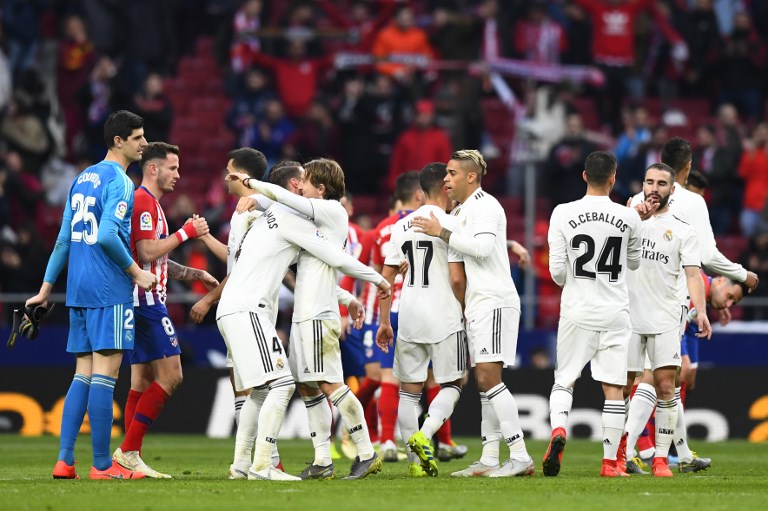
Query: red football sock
147	410
366	390
388	403
444	433
372	420
683	392
130	407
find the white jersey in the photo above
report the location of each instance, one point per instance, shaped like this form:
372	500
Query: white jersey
489	279
316	282
263	256
238	226
429	311
592	243
691	208
668	245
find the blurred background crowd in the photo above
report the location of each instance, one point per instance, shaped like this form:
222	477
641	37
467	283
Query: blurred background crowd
385	86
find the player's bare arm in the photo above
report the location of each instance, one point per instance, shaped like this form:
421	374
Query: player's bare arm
458	281
199	310
151	250
521	252
432	227
178	271
217	248
698	297
385	336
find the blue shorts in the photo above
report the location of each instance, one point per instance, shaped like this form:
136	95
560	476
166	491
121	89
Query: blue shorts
353	354
101	328
690	345
155	335
372	352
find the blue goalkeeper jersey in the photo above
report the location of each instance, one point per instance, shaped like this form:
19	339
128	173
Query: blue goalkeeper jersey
102	191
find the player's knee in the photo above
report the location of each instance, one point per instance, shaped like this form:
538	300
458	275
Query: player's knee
486	380
665	388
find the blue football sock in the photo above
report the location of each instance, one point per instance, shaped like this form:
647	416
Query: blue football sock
72	417
100	415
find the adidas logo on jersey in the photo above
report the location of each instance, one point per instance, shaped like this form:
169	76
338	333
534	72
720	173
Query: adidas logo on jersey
676	357
483	351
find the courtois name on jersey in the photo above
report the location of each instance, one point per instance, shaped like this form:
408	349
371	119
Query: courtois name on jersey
93	280
668	245
592	243
429	312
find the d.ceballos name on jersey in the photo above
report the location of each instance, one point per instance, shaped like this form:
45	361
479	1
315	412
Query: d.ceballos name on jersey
594	216
651	254
90	176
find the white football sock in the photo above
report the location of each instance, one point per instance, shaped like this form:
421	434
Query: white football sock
680	438
560	404
248	426
489	431
505	407
613	427
239	402
271	420
640	410
320	417
408	418
666	417
353	415
440	409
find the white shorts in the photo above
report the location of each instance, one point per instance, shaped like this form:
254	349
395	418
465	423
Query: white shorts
661	350
493	338
315	352
605	351
449	359
257	353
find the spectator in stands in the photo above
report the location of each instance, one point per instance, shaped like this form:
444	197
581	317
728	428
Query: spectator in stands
270	133
97	100
155	107
420	144
753	170
359	21
537	38
613	48
756	258
297	77
629	179
23	191
402	38
578	31
245	41
25	133
703	38
316	135
740	68
76	58
21	24
5	210
697	182
636	133
358	139
563	168
250	102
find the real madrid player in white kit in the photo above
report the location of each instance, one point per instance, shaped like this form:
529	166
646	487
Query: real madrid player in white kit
314	343
430	323
669	248
245	309
593	242
492	309
690	208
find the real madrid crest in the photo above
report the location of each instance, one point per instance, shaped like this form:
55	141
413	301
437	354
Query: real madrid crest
668	235
280	364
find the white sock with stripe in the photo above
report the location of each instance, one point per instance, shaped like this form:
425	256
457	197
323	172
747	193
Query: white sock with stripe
408	418
505	407
354	419
319	416
271	420
441	408
560	404
640	409
680	437
666	417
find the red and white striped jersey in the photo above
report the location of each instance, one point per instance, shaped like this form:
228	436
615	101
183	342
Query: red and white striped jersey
148	223
379	251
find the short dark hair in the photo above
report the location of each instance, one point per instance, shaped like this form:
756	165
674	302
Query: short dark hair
327	172
282	172
431	178
157	151
407	185
664	167
600	166
121	124
676	153
249	160
697	179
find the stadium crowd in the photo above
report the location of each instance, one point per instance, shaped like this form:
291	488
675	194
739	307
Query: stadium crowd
383	86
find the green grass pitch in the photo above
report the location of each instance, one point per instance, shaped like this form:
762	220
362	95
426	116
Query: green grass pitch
738	480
